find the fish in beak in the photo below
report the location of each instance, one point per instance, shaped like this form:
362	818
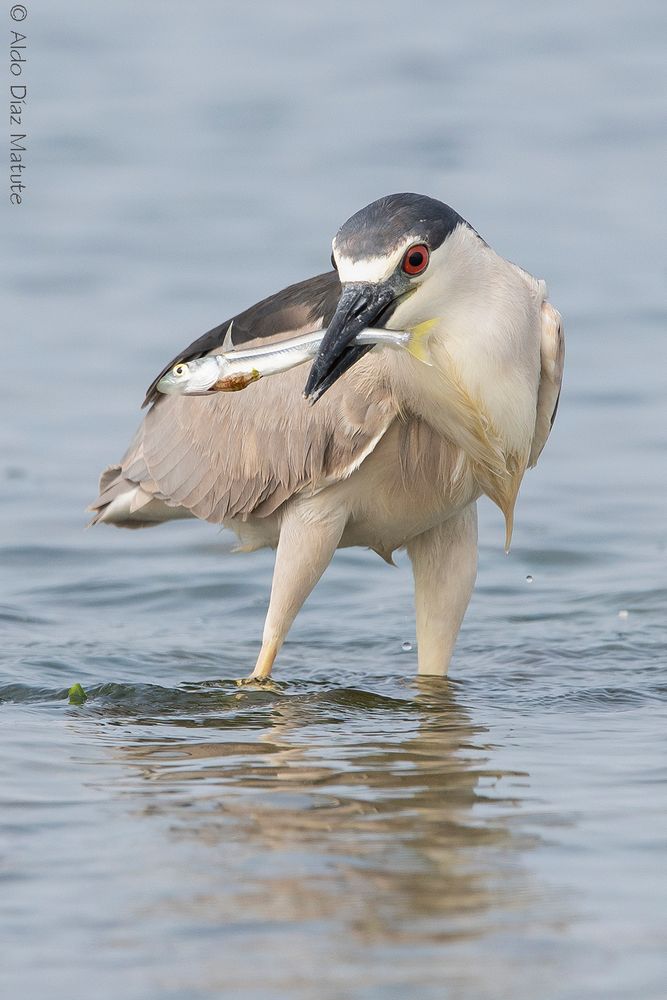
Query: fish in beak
361	305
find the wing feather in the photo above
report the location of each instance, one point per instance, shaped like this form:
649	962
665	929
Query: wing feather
552	358
233	454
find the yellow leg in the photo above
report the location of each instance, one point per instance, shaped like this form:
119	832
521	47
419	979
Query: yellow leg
265	660
444	562
307	543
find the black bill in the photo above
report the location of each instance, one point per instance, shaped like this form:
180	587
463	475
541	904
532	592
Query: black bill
360	306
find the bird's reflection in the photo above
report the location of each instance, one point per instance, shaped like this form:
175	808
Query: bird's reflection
380	812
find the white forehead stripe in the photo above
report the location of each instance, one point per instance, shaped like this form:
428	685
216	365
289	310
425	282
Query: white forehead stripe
371	269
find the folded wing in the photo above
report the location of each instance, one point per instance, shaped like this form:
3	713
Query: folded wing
234	454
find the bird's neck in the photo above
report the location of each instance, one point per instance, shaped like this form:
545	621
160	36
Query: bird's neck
480	391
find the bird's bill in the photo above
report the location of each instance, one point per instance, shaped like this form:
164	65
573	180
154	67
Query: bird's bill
360	306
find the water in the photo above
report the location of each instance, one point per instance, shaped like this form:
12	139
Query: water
348	832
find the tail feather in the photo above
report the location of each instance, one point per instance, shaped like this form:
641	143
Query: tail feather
127	504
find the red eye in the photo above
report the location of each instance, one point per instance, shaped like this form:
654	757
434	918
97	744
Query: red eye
416	259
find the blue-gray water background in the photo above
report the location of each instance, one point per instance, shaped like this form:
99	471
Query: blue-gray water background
502	835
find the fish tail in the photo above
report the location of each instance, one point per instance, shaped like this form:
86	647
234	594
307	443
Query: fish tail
417	345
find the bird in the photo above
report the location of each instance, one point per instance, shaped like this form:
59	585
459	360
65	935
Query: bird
377	449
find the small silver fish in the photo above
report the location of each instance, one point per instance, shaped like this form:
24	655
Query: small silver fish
234	370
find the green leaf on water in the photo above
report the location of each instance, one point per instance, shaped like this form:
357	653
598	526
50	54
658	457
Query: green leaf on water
77	695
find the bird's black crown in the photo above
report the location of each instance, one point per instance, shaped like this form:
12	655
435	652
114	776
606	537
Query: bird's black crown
385	224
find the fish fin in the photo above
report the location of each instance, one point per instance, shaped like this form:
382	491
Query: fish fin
227	344
417	345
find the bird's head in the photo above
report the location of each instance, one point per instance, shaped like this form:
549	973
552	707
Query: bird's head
388	256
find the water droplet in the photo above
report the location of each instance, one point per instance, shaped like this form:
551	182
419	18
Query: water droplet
406	646
623	613
529	579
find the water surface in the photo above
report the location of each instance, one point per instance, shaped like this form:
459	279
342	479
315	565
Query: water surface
350	831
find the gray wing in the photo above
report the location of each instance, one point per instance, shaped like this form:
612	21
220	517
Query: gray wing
552	359
233	454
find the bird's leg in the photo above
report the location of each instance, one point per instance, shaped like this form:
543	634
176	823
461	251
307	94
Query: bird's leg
307	543
444	564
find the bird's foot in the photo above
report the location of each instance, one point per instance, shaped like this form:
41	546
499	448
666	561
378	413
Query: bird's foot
261	675
252	681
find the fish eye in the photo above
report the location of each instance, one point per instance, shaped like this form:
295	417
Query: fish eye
416	259
180	369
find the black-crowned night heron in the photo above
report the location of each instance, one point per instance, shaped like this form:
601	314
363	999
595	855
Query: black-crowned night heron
396	452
